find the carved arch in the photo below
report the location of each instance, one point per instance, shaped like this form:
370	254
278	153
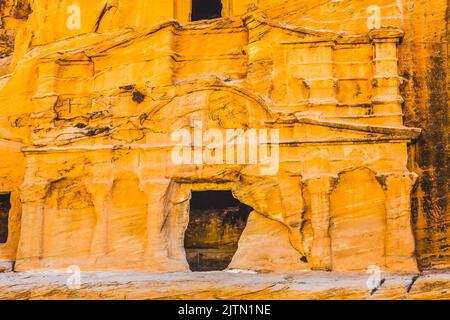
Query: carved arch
218	105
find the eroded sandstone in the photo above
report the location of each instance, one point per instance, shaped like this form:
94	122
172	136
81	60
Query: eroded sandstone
87	117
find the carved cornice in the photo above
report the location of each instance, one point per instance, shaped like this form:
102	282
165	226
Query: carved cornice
391	132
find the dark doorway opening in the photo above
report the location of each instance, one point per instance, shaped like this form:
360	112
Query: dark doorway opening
206	9
216	222
5	207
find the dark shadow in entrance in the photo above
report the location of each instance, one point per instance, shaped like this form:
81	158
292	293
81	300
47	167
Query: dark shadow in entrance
216	222
206	9
5	206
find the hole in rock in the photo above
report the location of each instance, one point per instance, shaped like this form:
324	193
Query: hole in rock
5	206
138	96
216	222
206	9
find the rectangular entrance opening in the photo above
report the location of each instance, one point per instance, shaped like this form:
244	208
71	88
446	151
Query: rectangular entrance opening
206	9
5	207
216	222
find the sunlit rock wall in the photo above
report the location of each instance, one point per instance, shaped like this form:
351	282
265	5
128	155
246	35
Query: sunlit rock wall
423	65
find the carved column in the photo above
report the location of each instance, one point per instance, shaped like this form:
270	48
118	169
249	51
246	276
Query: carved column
321	81
294	207
99	186
31	247
400	244
320	190
156	245
386	82
157	254
178	220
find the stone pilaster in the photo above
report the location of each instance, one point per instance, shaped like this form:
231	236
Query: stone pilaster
294	207
320	78
400	244
178	220
32	241
320	190
156	192
99	186
386	82
162	253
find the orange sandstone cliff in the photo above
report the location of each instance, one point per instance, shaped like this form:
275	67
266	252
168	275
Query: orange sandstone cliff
83	101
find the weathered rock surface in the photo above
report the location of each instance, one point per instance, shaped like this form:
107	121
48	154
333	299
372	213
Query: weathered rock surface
13	16
6	266
424	63
265	247
217	285
92	108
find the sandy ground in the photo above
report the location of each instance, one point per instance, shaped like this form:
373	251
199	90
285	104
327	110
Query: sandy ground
221	285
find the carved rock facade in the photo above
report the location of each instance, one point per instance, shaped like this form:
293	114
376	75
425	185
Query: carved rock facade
99	187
